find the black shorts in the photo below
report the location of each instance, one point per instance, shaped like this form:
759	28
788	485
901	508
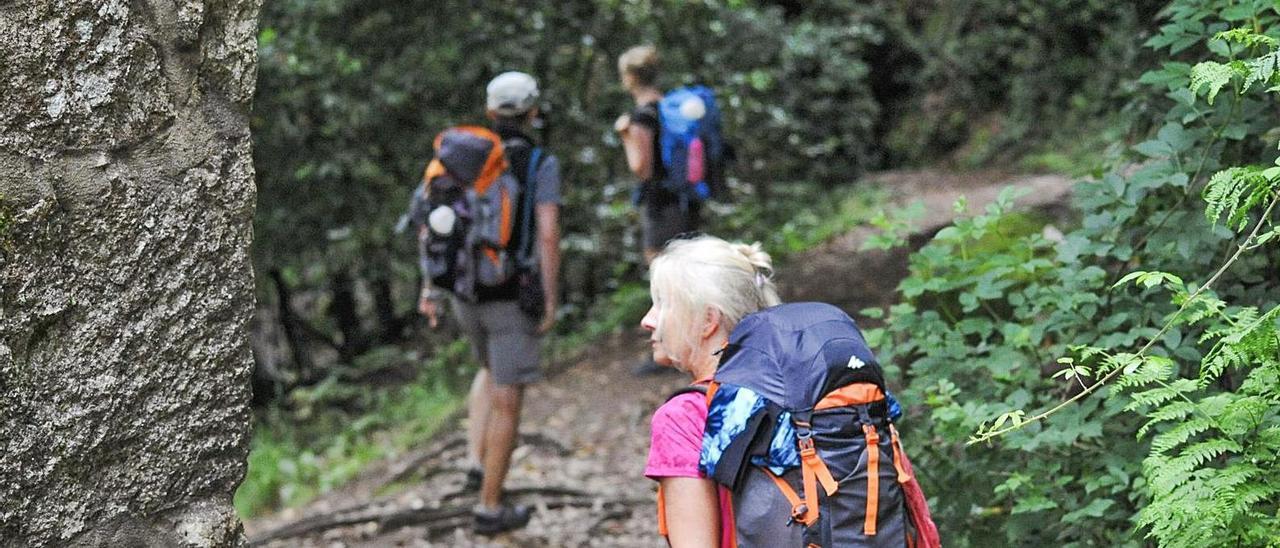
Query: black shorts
660	223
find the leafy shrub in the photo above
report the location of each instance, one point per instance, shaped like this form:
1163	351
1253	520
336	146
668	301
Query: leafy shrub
1184	446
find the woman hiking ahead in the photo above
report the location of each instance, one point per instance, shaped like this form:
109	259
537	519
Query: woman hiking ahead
663	215
701	288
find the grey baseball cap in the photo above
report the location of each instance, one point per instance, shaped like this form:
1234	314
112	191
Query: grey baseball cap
511	93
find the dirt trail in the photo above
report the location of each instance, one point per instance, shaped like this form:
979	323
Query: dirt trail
585	431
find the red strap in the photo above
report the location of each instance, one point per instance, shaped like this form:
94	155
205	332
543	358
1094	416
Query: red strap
662	512
903	475
873	479
732	526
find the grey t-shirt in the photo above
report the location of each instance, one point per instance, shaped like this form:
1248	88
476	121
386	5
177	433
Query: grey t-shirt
548	179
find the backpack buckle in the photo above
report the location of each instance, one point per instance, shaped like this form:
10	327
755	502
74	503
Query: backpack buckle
797	514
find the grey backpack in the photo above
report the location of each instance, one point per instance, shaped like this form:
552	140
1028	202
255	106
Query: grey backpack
799	429
471	201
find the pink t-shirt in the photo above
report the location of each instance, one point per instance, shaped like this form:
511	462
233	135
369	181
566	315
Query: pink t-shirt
674	445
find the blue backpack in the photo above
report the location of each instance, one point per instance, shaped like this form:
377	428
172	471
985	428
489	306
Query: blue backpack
692	144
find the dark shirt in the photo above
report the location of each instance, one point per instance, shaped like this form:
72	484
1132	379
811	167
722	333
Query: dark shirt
652	192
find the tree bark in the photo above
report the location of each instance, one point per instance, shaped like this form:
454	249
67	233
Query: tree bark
126	189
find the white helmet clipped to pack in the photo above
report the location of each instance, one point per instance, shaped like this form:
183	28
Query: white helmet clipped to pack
442	220
693	108
511	93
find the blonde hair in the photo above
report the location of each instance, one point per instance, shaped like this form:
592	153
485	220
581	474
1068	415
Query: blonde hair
641	63
691	275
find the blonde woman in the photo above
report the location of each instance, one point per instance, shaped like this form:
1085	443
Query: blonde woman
701	289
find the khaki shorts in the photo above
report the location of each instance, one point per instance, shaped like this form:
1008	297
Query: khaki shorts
503	339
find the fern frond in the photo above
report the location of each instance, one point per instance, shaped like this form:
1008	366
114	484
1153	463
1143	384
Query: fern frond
1158	396
1146	370
1261	70
1177	410
1165	442
1235	191
1212	75
1201	453
1247	37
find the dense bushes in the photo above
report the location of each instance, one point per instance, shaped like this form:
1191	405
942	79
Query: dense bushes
1183	445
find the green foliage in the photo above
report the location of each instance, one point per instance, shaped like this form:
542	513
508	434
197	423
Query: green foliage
350	95
798	217
1182	445
994	78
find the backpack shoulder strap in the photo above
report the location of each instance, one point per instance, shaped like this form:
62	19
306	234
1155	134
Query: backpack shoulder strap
530	191
693	388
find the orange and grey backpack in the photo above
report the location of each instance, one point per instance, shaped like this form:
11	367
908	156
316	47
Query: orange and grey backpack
471	200
800	429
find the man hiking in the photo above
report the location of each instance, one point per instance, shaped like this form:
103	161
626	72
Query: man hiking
504	321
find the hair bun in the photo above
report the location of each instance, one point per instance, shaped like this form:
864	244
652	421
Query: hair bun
756	255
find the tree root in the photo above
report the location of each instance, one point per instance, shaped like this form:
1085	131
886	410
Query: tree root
438	517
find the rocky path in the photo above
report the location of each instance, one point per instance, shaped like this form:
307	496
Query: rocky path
585	431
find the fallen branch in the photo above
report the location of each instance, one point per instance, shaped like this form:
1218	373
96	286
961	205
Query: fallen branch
436	514
615	515
351	515
425	458
439	521
432	458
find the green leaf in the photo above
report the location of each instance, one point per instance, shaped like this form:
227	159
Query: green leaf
1128	278
1095	509
1154	149
1211	75
873	312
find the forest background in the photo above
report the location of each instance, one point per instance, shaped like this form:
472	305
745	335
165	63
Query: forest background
996	320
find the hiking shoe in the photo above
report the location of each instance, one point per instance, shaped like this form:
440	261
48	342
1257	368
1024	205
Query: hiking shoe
506	518
475	477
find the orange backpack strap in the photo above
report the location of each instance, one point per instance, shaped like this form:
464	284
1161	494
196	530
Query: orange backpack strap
873	479
813	472
434	169
495	164
858	393
799	510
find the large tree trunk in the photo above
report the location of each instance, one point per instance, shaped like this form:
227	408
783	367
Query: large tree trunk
126	205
